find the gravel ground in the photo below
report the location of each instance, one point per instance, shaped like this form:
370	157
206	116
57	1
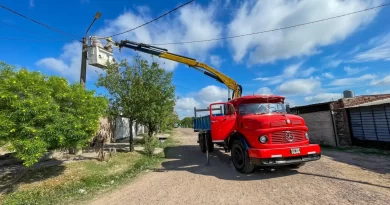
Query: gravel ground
337	178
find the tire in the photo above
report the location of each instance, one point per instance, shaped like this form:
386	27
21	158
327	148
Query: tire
202	144
296	166
240	158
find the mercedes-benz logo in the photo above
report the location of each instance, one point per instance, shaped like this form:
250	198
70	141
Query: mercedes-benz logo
289	136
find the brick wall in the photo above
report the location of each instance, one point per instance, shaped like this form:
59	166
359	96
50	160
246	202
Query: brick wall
348	102
320	127
342	128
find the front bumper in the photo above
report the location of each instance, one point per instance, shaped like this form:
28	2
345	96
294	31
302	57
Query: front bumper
283	156
284	160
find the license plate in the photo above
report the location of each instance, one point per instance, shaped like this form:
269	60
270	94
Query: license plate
295	151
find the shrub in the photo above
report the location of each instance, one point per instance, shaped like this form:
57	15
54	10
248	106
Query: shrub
150	143
38	113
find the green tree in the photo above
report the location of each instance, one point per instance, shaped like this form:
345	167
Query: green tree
79	113
39	113
125	94
187	122
158	93
170	121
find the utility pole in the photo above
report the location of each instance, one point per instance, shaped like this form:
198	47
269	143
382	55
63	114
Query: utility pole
83	70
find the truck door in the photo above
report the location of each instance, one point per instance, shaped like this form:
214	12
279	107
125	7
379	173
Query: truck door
223	121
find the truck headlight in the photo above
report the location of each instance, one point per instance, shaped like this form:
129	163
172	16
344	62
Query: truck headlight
263	139
307	135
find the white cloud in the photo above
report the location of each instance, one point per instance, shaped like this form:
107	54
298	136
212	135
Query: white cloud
291	70
211	94
264	90
384	81
308	72
31	3
323	97
189	23
216	61
186	104
254	16
201	99
380	50
288	72
352	71
376	92
334	63
68	63
328	75
299	86
353	81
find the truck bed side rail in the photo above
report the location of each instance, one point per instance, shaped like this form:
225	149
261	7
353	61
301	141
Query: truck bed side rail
203	123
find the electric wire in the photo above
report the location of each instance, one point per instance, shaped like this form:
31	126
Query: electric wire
28	31
272	30
34	40
39	23
153	19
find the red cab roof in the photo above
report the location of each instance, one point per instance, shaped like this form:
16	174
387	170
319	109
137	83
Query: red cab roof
257	99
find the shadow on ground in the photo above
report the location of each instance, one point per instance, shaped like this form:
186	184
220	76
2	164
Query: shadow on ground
375	163
189	158
14	175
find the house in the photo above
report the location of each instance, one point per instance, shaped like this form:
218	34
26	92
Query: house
352	120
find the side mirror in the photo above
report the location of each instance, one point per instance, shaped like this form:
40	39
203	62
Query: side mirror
288	110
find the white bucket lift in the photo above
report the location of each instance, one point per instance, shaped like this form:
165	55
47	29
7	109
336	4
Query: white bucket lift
98	56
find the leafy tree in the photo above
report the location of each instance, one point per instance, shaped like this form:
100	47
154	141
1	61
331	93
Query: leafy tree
159	94
39	113
187	122
79	113
126	98
170	121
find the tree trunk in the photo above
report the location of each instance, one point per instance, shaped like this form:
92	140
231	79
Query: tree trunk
131	140
150	130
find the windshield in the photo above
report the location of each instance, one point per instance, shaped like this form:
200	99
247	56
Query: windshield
261	108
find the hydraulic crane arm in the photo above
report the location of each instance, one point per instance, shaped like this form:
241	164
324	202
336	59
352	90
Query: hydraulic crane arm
163	53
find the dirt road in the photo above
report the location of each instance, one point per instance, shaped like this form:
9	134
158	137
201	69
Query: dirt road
337	178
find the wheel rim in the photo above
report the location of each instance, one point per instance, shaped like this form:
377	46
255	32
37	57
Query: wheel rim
238	157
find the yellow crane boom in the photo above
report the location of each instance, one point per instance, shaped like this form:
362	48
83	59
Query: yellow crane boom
163	53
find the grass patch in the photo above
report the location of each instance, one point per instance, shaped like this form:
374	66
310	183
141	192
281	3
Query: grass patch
362	150
169	142
78	180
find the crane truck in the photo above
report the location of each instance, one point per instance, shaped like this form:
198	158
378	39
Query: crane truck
257	129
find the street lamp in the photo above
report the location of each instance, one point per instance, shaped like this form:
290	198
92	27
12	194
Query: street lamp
83	71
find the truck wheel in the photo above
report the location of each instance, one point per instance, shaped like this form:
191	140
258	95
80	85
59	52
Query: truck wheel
202	144
240	158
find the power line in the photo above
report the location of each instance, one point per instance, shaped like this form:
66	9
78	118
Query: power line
24	30
153	19
277	29
37	22
33	40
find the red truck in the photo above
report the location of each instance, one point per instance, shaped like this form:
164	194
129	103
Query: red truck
258	131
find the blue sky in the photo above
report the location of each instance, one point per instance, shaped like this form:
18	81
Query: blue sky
308	64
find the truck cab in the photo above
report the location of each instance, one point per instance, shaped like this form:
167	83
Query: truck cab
258	131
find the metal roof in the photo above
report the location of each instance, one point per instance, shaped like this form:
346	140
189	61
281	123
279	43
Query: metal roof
376	102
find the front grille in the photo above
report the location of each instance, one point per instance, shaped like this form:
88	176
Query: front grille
280	137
